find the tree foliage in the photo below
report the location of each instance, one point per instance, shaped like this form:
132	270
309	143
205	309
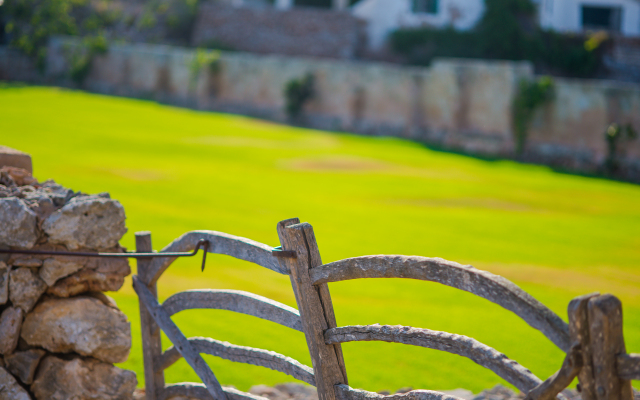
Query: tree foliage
30	23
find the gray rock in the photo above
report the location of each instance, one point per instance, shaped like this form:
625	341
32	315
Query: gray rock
58	194
27	262
99	274
460	393
285	391
88	221
25	288
53	269
4	283
10	389
59	379
18	223
499	392
41	204
10	324
23	364
106	300
83	325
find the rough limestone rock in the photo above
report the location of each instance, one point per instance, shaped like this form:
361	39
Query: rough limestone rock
10	324
23	364
10	389
4	283
27	262
18	223
104	299
59	379
25	288
286	391
99	274
53	269
83	325
87	221
35	261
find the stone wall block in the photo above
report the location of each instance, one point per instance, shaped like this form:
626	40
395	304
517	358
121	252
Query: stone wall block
82	379
54	269
10	324
17	259
4	283
18	223
23	364
10	389
99	274
83	325
25	288
87	221
27	262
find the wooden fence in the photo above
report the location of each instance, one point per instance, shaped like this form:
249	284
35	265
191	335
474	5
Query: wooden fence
593	340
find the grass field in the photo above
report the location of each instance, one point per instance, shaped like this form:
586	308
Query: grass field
174	170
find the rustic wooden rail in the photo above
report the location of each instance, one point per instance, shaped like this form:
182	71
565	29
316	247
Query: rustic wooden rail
592	340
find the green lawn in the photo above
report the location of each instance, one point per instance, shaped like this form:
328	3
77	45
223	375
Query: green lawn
174	170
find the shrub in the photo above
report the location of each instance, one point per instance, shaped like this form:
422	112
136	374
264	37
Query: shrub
203	58
531	95
297	93
613	136
81	58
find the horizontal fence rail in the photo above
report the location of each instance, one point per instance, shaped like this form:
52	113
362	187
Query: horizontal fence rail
199	391
481	354
628	366
237	301
344	392
464	277
242	354
219	243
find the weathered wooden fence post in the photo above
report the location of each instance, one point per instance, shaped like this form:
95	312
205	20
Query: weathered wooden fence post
607	343
151	344
579	333
314	304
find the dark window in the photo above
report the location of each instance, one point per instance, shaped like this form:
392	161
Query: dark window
608	18
313	3
425	6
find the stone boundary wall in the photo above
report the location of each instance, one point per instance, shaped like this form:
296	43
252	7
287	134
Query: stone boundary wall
59	333
456	104
16	66
299	31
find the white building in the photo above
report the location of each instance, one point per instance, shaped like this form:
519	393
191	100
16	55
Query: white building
385	16
620	16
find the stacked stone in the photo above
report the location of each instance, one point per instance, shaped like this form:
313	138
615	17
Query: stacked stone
59	334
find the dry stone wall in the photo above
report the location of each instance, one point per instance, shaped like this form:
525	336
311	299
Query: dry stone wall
59	333
454	104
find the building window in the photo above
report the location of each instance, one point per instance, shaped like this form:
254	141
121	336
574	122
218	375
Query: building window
425	6
314	3
608	18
